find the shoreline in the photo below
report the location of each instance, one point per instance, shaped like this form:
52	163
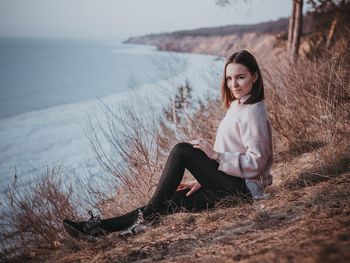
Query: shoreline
60	128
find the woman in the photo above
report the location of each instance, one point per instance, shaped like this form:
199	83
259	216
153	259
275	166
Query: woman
238	165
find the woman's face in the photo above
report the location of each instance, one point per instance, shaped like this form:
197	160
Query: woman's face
239	80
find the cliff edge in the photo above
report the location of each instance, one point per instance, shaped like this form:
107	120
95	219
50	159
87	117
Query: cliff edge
220	41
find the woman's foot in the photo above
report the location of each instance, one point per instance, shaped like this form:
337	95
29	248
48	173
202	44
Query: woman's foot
140	225
86	230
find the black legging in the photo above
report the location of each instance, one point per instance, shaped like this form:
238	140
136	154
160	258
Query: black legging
166	200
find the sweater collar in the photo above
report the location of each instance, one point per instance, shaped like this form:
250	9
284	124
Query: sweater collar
243	99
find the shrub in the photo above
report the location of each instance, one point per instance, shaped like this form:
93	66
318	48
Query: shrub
309	106
32	215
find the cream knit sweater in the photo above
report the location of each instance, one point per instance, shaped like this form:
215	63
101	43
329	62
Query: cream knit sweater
244	144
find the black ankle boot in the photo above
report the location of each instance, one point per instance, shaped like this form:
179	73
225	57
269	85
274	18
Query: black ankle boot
89	230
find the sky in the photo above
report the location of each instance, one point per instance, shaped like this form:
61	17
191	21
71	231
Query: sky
120	19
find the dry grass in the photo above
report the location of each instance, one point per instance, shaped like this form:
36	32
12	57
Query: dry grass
306	217
31	216
140	144
309	106
309	102
310	225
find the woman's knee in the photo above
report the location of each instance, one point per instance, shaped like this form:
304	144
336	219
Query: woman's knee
181	149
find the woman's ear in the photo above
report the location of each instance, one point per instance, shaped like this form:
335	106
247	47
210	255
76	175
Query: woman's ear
255	77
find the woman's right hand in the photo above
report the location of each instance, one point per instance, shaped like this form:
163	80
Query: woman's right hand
192	185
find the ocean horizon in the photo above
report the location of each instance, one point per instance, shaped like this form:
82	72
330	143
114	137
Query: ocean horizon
41	73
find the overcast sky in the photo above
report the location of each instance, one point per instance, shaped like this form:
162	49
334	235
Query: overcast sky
119	19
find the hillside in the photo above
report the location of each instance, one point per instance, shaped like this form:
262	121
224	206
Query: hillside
309	223
218	40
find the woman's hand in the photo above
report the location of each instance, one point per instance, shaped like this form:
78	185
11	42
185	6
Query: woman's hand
192	185
205	147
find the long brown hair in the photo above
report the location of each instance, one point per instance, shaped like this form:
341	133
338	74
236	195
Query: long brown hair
246	59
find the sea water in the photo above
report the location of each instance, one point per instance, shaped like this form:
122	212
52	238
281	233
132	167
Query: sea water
49	89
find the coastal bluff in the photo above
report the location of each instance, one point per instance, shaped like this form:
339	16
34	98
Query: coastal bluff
220	41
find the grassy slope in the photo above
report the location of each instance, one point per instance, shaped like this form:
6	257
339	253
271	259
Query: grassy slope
302	221
307	224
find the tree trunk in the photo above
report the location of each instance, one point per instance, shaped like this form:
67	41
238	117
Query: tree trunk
334	24
331	31
297	29
291	28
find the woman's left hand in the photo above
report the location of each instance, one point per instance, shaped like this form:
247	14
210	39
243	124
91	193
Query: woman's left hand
205	147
